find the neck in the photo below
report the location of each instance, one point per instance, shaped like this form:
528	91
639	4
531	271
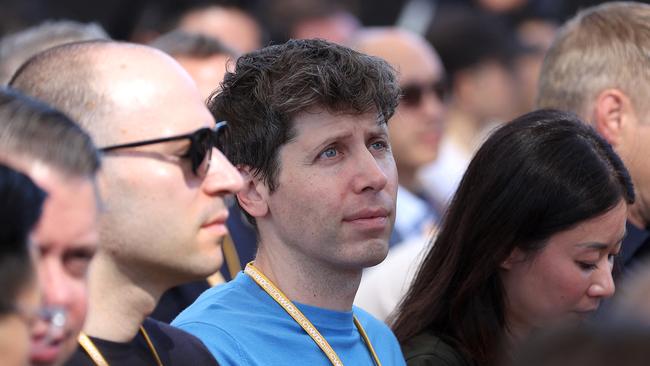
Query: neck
307	281
119	300
636	215
516	331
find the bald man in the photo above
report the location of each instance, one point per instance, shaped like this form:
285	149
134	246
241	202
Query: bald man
163	182
417	125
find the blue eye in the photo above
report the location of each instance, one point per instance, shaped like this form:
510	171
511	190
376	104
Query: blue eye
379	145
329	153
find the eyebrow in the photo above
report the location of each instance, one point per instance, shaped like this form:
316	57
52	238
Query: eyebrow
599	246
330	140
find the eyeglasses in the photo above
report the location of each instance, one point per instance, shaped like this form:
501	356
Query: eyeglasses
201	143
412	93
53	317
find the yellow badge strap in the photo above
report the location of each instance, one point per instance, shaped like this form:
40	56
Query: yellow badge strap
151	347
231	256
91	350
99	360
302	320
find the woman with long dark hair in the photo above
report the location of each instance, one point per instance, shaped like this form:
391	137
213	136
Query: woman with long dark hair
529	239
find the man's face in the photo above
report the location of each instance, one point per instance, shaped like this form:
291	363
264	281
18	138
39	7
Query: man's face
335	199
66	237
162	219
417	126
487	91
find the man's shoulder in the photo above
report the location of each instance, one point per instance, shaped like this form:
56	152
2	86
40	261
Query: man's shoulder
381	337
167	332
367	320
374	327
176	343
217	304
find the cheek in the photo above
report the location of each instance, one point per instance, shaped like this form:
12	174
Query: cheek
78	306
401	129
565	285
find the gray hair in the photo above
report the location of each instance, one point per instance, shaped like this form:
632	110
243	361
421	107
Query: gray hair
33	130
606	46
17	48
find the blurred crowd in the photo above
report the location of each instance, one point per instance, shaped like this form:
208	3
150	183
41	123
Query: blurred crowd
419	182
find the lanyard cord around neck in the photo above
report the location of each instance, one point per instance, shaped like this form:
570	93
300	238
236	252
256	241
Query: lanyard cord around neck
89	346
302	320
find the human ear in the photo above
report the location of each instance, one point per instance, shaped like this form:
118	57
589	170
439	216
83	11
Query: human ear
252	196
516	256
610	109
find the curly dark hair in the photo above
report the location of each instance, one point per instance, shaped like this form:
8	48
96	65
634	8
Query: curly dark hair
269	87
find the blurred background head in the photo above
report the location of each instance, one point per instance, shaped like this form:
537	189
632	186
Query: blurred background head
20	304
18	47
205	58
66	234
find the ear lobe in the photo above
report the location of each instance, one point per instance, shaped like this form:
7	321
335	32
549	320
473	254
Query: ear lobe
252	196
516	256
609	113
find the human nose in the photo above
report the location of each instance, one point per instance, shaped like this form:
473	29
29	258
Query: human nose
370	174
57	290
222	177
603	283
433	108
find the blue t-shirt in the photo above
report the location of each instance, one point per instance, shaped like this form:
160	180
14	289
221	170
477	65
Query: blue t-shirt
242	325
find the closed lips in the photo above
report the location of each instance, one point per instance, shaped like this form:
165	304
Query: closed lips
367	214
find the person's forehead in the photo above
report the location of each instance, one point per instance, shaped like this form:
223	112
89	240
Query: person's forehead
412	57
154	97
312	127
417	61
70	211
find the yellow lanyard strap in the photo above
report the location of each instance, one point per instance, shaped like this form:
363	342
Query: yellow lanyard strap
302	320
91	350
99	360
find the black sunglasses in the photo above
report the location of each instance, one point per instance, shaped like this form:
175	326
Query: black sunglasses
200	151
412	93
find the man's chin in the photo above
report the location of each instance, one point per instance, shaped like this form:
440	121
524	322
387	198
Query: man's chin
371	257
46	355
52	353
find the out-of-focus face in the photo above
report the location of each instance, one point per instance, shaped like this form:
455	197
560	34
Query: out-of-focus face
66	237
335	199
232	26
569	277
16	327
207	72
161	218
488	91
416	128
337	28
